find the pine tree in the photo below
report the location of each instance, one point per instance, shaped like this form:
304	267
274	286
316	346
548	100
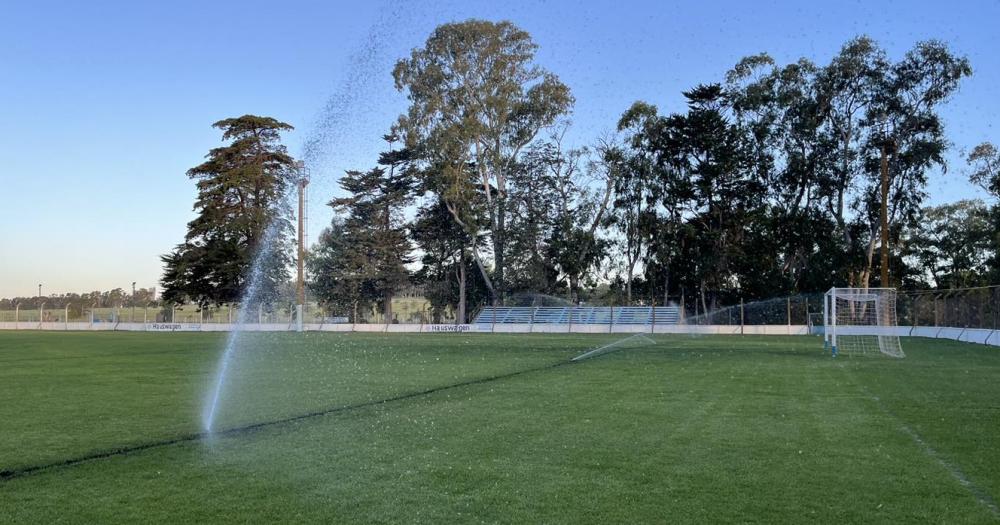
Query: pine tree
368	246
240	206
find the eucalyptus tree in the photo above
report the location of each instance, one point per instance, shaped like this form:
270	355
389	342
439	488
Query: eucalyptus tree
952	244
532	206
985	163
907	130
478	99
444	262
581	191
984	160
640	185
847	87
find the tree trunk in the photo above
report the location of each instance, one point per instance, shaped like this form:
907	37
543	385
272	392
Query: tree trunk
499	247
387	309
628	283
704	304
574	288
461	288
666	285
475	251
869	261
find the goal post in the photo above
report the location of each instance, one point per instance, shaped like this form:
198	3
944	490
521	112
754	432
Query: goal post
861	321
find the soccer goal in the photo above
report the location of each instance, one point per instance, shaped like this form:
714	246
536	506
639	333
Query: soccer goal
861	321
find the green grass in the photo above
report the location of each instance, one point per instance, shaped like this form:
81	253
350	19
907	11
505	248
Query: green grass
691	429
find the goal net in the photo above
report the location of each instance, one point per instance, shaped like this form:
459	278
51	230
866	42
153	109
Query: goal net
861	321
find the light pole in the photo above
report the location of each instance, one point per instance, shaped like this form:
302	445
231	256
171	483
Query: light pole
39	290
303	182
132	320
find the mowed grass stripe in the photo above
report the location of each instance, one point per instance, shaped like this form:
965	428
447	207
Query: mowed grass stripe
60	411
691	430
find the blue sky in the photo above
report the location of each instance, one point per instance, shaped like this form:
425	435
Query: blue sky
105	105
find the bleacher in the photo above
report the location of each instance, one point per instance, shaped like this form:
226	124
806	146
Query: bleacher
576	315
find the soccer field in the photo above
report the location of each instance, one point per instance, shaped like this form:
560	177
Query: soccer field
388	428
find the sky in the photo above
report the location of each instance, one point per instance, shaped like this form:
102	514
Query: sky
105	105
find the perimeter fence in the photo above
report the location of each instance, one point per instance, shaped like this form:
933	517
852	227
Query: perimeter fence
973	308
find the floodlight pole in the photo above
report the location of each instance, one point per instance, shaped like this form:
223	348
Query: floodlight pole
303	181
17	312
132	320
66	316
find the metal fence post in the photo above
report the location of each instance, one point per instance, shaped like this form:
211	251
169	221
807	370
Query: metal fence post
611	321
683	306
741	316
652	318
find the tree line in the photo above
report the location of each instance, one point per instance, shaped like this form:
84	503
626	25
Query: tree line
767	183
78	302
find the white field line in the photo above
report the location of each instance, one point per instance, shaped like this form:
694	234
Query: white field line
981	495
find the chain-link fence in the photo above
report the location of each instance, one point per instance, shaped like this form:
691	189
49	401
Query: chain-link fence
66	309
958	308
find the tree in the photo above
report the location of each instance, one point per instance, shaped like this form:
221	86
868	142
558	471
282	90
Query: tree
477	99
578	209
985	163
448	275
952	244
442	264
339	273
846	88
241	214
646	196
371	247
907	130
